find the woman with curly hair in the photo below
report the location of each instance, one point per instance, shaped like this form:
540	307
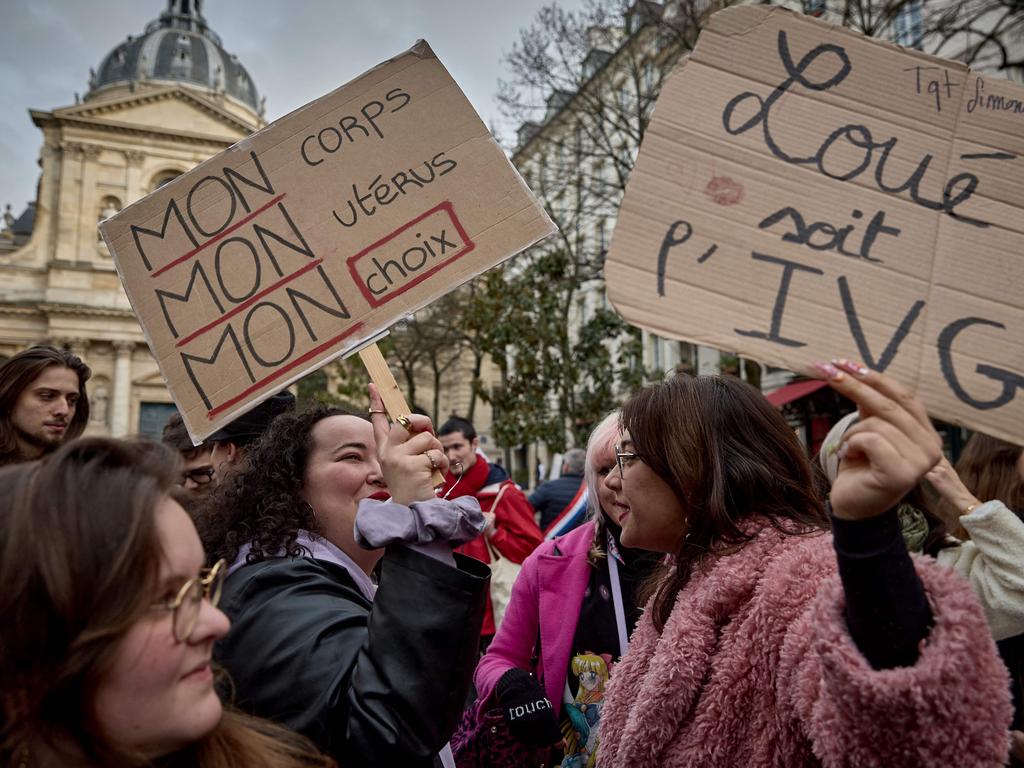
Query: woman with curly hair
110	620
374	673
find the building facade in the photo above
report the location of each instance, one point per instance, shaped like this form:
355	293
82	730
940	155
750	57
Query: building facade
158	104
577	154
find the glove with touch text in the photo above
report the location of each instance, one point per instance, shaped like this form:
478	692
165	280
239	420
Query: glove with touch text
527	709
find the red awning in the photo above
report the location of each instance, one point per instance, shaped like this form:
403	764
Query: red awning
793	391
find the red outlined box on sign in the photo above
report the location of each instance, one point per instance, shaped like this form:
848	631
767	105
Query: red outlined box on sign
409	255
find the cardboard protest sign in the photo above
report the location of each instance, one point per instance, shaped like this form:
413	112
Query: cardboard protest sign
804	192
310	237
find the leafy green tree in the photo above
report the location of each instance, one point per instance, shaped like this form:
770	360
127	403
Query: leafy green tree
581	84
556	382
423	347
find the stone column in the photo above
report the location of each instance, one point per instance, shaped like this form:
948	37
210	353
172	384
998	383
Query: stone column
120	412
80	347
88	204
67	210
45	231
133	176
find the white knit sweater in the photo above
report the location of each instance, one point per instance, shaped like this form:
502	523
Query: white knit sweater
993	562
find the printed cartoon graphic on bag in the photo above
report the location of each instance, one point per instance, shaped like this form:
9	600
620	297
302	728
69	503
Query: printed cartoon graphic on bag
583	713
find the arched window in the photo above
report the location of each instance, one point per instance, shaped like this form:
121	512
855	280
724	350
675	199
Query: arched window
163	177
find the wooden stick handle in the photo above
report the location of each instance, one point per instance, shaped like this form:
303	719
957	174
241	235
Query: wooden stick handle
394	400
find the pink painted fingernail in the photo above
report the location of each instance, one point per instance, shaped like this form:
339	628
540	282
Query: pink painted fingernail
858	369
829	371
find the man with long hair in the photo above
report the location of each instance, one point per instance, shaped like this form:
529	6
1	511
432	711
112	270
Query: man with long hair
43	402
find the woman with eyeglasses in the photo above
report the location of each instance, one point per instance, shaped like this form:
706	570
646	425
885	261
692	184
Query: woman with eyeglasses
769	640
572	610
354	622
110	620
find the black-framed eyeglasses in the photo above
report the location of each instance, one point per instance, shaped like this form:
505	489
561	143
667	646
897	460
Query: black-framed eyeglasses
625	460
209	585
199	475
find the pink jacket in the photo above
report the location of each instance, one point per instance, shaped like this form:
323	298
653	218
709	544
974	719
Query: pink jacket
546	599
755	667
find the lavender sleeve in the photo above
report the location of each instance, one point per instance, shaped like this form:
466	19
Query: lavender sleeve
433	527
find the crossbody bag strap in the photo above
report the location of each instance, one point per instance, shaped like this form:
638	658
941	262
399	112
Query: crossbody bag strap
493	550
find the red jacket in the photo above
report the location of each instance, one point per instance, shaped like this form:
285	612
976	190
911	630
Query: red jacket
515	535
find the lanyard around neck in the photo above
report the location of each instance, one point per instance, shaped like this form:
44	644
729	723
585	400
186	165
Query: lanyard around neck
620	611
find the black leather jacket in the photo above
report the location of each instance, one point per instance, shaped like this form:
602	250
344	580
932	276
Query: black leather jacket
380	683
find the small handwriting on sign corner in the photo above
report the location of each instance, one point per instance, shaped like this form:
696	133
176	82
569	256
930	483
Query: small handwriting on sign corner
938	86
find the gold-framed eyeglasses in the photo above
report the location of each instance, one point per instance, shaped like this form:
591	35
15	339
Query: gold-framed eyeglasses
624	459
186	604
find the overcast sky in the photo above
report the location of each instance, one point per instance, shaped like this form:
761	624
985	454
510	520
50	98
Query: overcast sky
295	51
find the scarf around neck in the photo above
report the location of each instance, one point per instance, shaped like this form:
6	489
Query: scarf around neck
471	481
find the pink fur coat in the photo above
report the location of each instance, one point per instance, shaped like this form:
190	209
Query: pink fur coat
755	667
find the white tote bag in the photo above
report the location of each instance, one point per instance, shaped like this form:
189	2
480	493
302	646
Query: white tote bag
503	574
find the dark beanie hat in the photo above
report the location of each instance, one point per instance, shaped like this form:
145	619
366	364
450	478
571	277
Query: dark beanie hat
252	424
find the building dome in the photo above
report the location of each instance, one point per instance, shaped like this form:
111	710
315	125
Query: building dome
178	47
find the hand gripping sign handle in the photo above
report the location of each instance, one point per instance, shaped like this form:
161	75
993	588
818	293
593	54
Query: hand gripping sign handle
394	400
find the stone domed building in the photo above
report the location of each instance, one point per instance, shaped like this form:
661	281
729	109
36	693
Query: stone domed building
158	104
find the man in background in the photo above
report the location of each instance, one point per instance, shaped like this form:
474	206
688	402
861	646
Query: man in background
559	497
511	529
43	402
197	467
229	445
210	462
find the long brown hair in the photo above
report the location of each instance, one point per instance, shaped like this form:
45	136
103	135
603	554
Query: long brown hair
79	560
990	468
19	372
728	454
